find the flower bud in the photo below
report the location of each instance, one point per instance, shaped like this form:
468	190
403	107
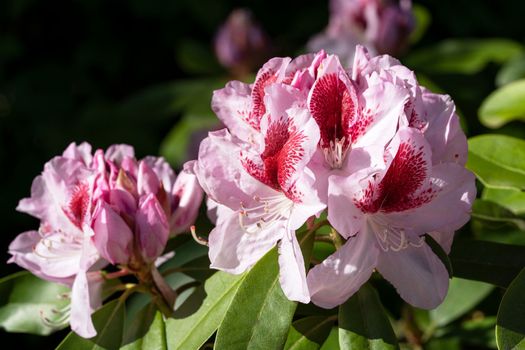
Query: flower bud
152	228
240	44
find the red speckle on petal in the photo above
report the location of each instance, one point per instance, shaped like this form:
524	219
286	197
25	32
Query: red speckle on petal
78	204
283	151
333	105
399	189
258	108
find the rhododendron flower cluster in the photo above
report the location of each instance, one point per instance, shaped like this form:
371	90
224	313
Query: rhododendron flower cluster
383	26
95	210
381	154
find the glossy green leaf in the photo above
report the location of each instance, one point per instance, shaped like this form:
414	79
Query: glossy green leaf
490	262
146	331
511	71
465	56
510	323
260	314
199	316
26	299
498	161
332	341
462	296
109	323
504	105
512	199
309	333
492	212
364	324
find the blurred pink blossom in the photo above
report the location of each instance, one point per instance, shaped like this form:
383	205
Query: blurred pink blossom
383	26
241	45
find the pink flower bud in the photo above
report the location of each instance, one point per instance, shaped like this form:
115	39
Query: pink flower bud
147	180
113	237
188	194
240	44
152	228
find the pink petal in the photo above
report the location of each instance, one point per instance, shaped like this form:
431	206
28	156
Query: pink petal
384	104
188	194
163	170
117	153
340	275
113	237
234	251
292	274
232	105
51	192
147	181
81	152
24	255
449	209
221	174
417	273
85	298
153	228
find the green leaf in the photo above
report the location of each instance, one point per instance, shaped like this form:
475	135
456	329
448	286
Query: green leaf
490	262
498	161
109	323
512	199
364	324
200	315
332	342
309	333
464	56
423	19
146	331
462	296
504	105
510	323
182	142
512	70
492	212
260	314
25	299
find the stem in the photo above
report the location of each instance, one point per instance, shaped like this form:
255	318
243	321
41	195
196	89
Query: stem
326	239
336	238
163	295
412	332
116	274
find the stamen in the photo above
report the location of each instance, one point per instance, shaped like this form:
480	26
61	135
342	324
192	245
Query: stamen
273	209
335	153
390	237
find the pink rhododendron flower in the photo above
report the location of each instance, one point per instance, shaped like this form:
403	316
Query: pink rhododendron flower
98	209
383	153
264	192
383	26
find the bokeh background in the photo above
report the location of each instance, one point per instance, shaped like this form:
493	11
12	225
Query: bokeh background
127	72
